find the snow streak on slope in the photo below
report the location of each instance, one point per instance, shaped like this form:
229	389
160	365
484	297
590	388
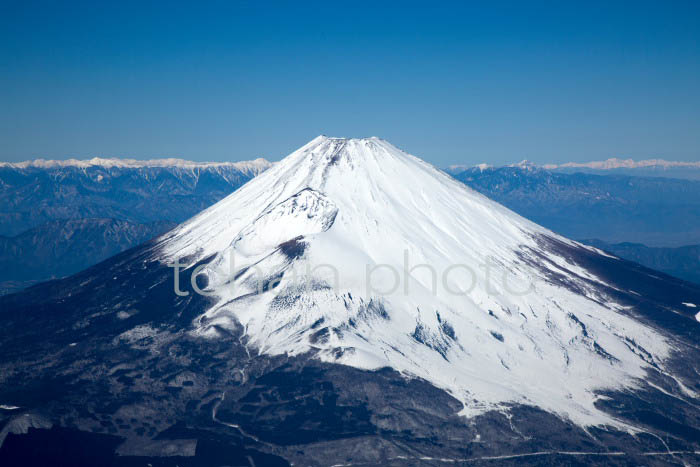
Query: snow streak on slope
370	257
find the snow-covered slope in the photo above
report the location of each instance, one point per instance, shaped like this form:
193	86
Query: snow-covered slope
370	257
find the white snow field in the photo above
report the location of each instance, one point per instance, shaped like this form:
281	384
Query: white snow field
332	226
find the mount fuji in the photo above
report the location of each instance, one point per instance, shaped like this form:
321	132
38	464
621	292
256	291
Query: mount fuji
353	305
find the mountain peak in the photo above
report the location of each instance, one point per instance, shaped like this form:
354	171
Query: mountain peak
324	158
525	165
343	138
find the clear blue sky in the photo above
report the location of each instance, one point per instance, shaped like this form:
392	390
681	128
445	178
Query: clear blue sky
452	83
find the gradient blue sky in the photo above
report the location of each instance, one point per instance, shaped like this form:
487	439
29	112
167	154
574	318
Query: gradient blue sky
452	83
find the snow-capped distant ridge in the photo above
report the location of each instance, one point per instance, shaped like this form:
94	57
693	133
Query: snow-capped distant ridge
253	166
457	168
525	164
609	164
484	320
616	163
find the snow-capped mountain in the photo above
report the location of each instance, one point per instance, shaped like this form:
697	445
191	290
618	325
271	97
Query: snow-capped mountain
357	306
486	324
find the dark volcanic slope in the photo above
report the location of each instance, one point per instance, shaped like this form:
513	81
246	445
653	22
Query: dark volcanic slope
101	364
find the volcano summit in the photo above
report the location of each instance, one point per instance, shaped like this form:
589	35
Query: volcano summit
354	305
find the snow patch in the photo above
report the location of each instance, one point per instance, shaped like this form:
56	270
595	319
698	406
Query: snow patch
138	333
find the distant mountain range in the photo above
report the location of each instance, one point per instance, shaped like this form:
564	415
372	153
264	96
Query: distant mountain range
250	167
613	166
35	192
655	211
59	217
615	163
